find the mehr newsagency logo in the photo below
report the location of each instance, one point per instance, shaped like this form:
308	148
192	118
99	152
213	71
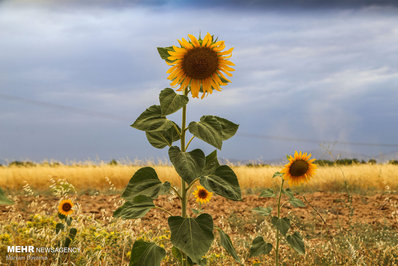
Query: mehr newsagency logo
20	250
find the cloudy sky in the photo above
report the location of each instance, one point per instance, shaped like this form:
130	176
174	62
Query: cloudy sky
73	77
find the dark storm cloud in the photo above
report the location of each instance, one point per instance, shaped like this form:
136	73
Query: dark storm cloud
305	75
249	4
270	4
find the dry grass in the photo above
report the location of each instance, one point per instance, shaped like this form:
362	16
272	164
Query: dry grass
329	178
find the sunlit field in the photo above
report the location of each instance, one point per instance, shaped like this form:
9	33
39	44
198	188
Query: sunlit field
90	176
350	217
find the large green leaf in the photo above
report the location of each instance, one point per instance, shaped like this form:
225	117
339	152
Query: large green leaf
136	208
144	182
259	247
282	224
152	120
223	182
288	192
189	165
4	200
146	254
296	242
277	174
227	244
164	52
161	139
211	163
207	129
170	101
59	227
193	236
263	211
67	242
267	193
296	202
228	128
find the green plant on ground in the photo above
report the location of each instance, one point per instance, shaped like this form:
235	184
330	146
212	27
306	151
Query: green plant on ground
196	67
4	200
299	169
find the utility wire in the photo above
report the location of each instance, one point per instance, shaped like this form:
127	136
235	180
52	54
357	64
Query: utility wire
124	119
316	141
72	109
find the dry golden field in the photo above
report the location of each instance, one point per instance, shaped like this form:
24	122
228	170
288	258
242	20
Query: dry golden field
362	177
351	217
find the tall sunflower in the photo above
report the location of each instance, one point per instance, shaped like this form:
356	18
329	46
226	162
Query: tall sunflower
202	195
299	169
65	207
199	64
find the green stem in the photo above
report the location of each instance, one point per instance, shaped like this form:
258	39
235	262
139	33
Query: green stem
176	191
189	142
192	183
183	184
164	210
277	230
178	131
314	209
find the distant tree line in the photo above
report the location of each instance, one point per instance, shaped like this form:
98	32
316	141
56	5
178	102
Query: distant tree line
344	161
49	164
347	161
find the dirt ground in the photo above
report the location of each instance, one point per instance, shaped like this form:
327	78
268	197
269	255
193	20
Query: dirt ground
336	209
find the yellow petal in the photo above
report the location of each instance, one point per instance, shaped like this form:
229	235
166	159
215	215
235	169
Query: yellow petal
207	85
176	57
219	73
175	73
215	85
226	52
185	83
217	79
185	44
225	57
195	87
174	82
227	73
227	68
194	40
179	50
219	48
207	40
216	44
171	69
226	62
172	63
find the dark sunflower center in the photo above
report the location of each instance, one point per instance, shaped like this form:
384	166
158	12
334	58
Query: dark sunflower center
66	207
298	168
202	194
200	63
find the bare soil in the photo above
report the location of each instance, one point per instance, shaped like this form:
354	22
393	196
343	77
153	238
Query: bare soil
338	210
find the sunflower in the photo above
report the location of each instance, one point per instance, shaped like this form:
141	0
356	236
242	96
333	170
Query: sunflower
202	195
198	64
299	169
65	207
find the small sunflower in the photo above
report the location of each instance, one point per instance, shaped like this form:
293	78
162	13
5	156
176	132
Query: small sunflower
65	207
299	169
198	64
202	195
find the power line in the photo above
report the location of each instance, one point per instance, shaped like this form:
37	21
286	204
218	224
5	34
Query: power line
86	112
281	138
72	109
